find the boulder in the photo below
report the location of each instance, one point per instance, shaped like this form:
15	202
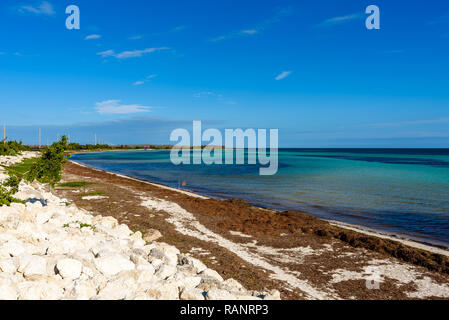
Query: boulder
112	264
69	268
14	248
163	290
8	290
31	265
152	235
192	294
8	265
219	294
209	273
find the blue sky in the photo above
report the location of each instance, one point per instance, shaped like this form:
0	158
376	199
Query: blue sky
138	69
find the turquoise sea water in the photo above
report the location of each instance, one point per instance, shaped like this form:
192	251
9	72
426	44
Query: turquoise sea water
398	191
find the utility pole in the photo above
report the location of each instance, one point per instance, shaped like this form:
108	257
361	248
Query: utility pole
95	139
4	132
40	136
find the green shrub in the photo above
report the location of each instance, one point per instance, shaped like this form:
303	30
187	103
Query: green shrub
75	184
48	168
11	148
8	189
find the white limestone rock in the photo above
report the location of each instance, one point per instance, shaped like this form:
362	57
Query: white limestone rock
32	290
152	235
192	294
8	265
13	248
31	265
69	268
209	273
112	264
219	294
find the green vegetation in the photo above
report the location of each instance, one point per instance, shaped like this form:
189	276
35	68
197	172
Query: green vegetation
88	147
21	168
46	169
100	147
82	225
11	148
8	189
92	194
75	184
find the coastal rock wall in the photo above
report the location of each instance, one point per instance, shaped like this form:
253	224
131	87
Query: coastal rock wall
50	249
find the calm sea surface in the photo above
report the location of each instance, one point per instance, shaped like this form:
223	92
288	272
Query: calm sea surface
398	191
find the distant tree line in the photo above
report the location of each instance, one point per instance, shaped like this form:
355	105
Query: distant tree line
12	148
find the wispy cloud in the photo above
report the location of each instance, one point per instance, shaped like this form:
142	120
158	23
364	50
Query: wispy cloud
93	36
340	20
406	123
166	32
179	28
114	107
280	13
43	8
147	78
129	54
136	37
250	31
206	93
283	75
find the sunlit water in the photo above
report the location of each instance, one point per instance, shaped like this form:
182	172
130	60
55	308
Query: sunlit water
399	191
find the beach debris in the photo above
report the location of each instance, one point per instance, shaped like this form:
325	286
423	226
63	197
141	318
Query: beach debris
61	252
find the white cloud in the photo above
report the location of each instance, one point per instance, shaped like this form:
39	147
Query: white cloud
114	107
250	31
179	28
283	75
340	19
129	54
141	82
44	8
93	36
105	54
136	37
205	93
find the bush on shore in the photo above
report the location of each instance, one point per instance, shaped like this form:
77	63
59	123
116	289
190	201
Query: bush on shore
11	148
46	169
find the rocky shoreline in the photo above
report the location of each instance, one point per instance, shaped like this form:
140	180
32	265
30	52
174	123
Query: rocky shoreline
50	249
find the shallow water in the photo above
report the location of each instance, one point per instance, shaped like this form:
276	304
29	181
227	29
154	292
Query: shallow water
398	191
